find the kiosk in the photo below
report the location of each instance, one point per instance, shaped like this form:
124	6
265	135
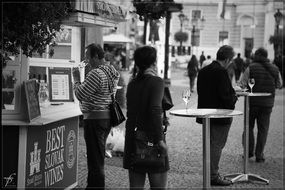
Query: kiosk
40	143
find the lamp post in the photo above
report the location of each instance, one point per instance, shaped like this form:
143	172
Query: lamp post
182	18
278	16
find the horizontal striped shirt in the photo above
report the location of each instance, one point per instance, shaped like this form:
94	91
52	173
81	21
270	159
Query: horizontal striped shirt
93	93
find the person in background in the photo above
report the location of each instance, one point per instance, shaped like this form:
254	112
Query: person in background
267	78
215	90
120	94
144	110
118	58
208	61
95	97
239	66
192	69
202	59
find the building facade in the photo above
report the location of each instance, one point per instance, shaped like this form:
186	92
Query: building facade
244	24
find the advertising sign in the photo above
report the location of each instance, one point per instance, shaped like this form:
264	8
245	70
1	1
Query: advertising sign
51	159
60	84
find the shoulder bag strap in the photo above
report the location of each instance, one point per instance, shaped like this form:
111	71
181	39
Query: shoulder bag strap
109	83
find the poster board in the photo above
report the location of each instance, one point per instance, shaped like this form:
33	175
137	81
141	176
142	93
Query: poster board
60	84
31	93
51	155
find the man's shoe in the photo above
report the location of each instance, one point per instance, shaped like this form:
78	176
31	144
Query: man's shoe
220	181
259	160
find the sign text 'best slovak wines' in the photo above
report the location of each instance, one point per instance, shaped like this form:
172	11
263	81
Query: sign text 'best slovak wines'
52	154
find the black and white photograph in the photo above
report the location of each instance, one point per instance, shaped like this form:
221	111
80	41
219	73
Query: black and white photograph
142	94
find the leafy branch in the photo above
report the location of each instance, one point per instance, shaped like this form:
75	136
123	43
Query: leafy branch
31	26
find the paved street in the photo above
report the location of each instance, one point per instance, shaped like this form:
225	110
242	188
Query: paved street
184	139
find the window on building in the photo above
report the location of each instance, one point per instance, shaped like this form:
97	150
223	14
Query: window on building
196	14
195	33
223	38
63	48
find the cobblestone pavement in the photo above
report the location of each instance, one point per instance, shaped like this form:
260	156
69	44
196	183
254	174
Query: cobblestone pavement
184	139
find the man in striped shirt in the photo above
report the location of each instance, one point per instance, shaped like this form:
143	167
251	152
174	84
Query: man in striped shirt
94	95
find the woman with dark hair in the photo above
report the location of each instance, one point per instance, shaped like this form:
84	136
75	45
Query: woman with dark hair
144	112
192	69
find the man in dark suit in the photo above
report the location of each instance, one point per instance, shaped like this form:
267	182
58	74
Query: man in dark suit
215	91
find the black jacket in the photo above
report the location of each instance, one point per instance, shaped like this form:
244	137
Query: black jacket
215	91
266	77
144	99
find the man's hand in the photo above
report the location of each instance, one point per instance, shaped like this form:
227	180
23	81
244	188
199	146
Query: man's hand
76	74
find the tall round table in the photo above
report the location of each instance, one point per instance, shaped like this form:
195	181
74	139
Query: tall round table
245	176
206	115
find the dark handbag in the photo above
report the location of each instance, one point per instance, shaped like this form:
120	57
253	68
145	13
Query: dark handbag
117	116
147	154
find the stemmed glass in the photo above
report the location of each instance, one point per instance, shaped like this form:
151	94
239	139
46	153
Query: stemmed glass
251	83
186	94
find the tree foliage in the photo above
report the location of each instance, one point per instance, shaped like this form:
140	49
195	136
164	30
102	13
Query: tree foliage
31	26
152	9
181	36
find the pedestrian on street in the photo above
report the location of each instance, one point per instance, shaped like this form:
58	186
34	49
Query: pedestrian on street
192	69
95	97
202	59
144	112
267	78
215	91
208	61
239	66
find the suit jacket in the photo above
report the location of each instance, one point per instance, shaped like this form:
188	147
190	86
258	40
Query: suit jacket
215	90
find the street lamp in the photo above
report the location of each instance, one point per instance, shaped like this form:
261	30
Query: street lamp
278	16
182	35
182	17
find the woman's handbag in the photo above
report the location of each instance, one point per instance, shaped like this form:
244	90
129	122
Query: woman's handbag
147	154
117	116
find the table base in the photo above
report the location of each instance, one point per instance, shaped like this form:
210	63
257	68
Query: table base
246	177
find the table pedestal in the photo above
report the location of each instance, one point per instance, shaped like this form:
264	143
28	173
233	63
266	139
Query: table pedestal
245	176
206	153
206	115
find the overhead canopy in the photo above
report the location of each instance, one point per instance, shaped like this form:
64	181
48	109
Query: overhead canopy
94	12
116	38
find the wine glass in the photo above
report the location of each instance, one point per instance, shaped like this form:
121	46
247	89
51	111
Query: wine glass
251	83
186	94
